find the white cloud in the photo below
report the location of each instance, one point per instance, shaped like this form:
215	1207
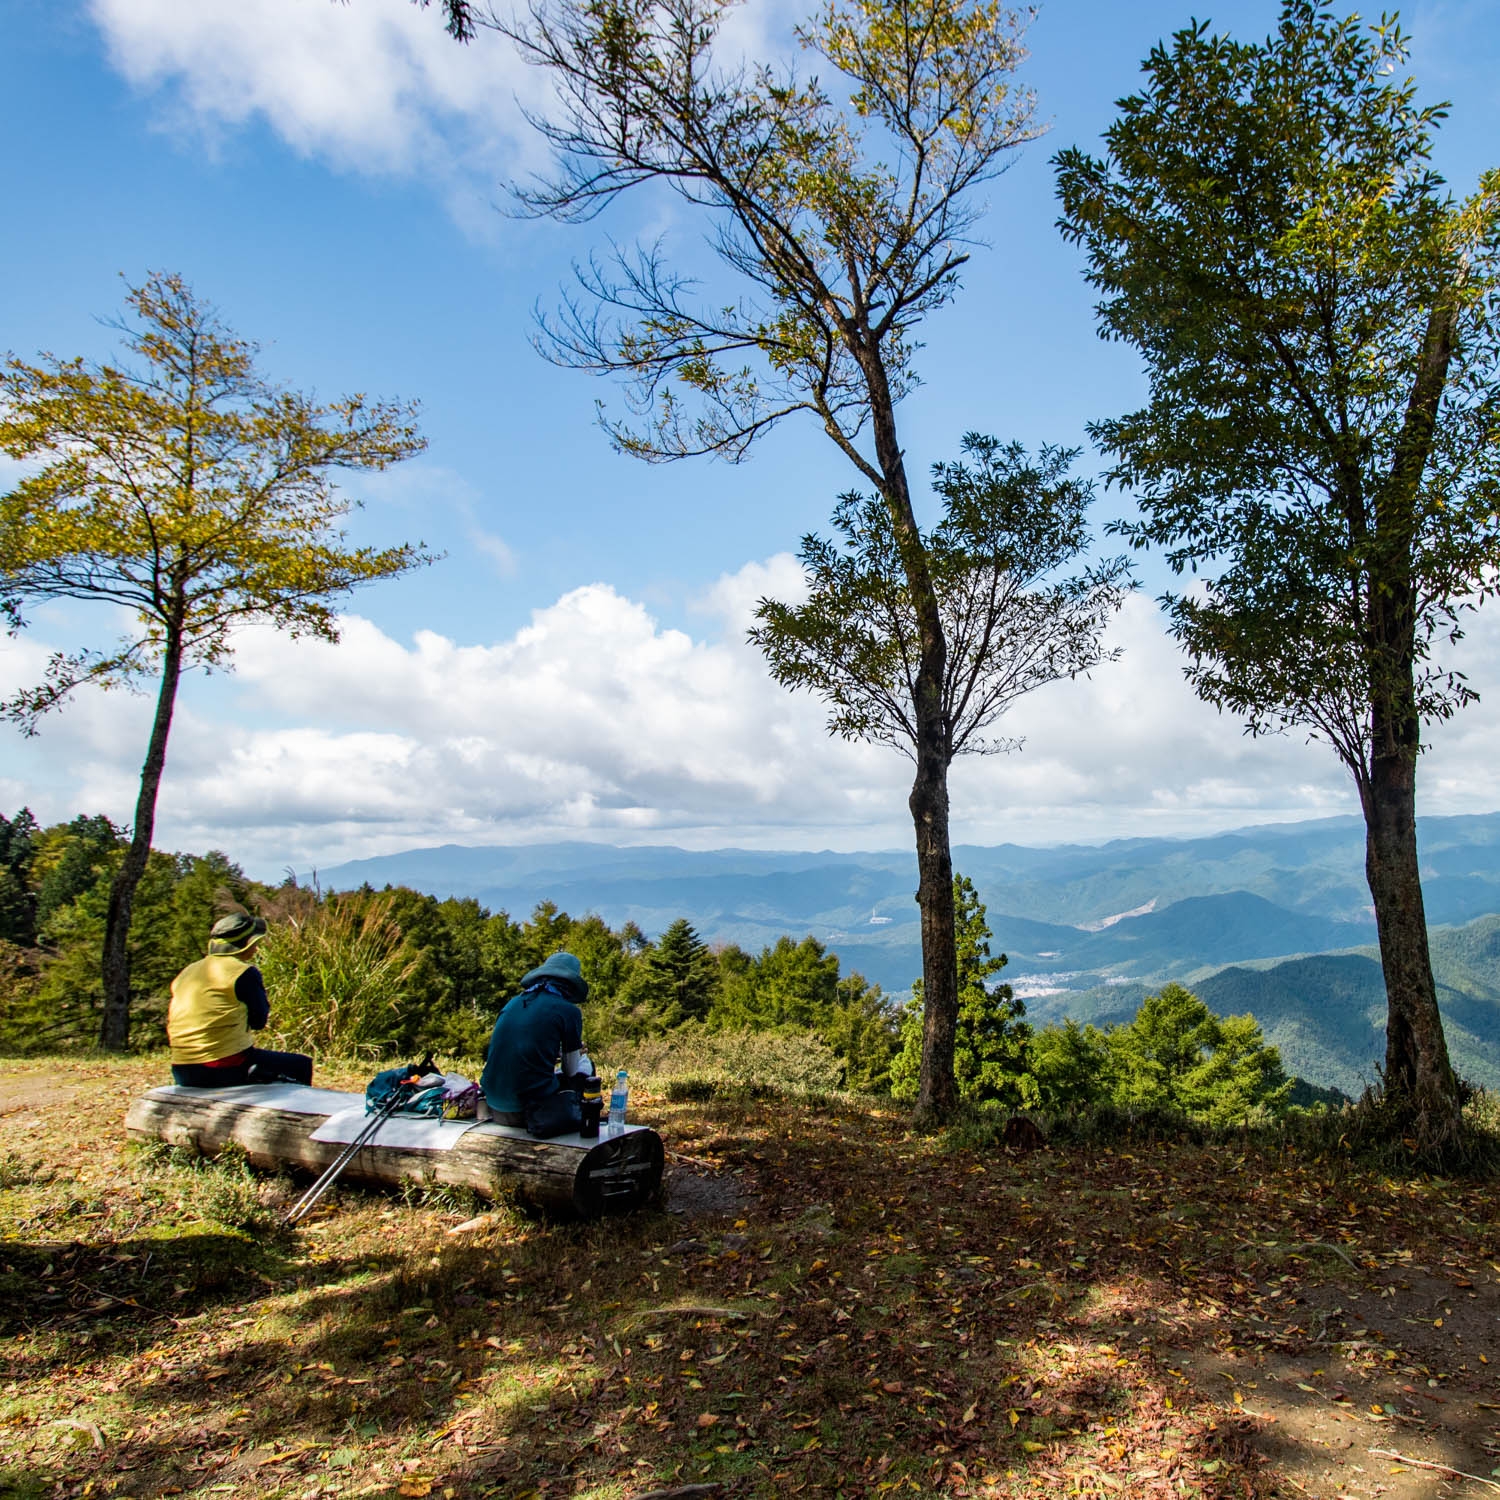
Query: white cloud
733	597
499	552
372	85
594	720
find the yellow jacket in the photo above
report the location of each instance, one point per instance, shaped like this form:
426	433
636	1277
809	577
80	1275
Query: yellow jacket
206	1020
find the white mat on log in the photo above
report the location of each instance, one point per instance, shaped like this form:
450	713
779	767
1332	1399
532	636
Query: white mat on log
407	1132
412	1133
347	1117
294	1098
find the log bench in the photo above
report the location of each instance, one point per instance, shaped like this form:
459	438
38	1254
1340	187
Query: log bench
275	1125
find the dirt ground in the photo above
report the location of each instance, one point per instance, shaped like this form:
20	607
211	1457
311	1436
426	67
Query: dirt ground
1320	1338
1399	1369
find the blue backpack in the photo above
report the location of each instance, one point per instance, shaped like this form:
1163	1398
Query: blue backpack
399	1084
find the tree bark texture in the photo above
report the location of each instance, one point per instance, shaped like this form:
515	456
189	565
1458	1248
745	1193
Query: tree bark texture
1419	1078
114	1026
936	1091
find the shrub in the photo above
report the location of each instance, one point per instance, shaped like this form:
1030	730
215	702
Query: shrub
336	974
791	1062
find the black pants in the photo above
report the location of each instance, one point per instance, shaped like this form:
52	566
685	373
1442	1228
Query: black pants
259	1066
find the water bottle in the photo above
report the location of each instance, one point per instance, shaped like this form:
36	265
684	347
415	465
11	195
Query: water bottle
617	1103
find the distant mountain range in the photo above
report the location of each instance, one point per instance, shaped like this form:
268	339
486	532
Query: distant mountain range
1086	928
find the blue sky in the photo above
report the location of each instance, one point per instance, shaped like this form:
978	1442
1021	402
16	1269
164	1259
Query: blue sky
328	176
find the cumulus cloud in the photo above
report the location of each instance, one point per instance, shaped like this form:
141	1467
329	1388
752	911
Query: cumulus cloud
595	720
372	86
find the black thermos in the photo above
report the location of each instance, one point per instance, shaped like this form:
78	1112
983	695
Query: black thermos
591	1098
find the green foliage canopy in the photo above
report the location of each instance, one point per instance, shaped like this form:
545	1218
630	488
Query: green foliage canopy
1175	1055
184	488
1317	317
1316	314
1009	524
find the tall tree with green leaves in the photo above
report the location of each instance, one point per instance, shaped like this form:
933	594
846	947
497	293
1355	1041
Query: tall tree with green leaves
842	218
1321	446
678	976
1009	525
195	495
1177	1054
18	841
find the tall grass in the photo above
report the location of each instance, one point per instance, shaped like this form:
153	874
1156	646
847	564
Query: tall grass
693	1062
335	973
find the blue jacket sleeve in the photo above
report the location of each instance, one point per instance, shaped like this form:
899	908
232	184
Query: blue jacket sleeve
250	991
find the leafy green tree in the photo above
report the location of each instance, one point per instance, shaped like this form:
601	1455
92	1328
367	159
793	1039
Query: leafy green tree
67	861
206	888
991	1059
1317	318
17	900
69	997
1071	1064
1008	526
196	497
1177	1054
864	1032
1153	1055
678	975
790	984
1240	1078
844	220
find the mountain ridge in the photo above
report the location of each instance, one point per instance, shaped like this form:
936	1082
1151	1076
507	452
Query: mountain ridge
1275	920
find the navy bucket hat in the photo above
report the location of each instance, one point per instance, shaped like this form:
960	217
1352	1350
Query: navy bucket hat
560	968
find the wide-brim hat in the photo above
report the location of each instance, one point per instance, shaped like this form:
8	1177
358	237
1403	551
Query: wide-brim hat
234	933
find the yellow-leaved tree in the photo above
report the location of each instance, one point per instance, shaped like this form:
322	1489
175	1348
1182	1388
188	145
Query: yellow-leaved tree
185	488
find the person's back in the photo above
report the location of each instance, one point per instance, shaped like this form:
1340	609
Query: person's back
217	1002
539	1027
206	1020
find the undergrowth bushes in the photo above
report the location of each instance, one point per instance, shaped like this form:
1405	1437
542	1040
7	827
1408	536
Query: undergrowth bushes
336	971
696	1063
1359	1133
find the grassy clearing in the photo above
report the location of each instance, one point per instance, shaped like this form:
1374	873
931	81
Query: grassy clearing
882	1314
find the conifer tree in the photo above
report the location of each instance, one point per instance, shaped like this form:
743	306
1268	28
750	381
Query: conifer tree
990	1051
679	976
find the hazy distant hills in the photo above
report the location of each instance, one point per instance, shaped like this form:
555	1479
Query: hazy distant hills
1086	927
1327	1012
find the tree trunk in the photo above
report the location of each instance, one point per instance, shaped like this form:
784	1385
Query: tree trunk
937	1092
1419	1079
114	1027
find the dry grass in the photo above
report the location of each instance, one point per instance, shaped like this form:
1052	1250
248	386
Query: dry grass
883	1314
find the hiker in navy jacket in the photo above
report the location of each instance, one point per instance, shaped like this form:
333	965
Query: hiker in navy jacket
536	1028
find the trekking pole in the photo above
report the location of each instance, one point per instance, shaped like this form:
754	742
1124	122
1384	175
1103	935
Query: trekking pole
308	1201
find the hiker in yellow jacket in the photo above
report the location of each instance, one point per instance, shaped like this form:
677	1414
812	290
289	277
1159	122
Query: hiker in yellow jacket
216	1004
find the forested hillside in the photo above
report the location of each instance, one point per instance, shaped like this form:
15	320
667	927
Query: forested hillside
369	973
369	970
1074	915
